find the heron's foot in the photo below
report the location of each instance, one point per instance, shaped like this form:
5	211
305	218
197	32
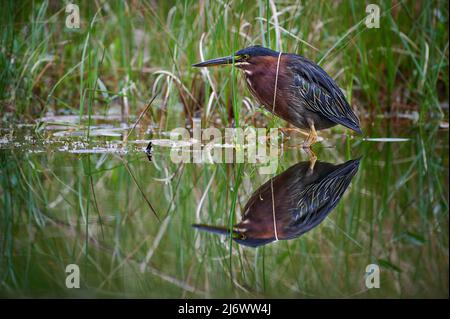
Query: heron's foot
293	129
311	139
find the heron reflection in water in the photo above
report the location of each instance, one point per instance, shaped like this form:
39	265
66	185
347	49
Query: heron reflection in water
290	204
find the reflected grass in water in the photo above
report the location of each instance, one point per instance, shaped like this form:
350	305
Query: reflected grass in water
91	209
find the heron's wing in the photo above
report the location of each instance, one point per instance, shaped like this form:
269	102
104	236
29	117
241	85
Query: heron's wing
317	199
319	93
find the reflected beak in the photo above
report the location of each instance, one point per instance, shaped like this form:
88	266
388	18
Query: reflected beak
214	62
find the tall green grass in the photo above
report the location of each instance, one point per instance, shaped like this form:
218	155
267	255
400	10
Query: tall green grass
97	210
147	48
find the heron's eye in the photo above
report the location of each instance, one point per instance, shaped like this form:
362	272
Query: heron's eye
242	57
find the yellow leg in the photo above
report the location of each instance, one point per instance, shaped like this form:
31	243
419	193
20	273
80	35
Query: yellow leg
293	129
311	139
312	158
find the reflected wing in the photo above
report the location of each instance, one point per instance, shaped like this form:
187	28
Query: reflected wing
319	93
317	199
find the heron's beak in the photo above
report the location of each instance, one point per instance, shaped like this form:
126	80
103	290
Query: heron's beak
214	62
221	230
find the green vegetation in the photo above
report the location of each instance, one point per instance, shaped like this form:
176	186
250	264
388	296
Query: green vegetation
395	214
98	210
134	50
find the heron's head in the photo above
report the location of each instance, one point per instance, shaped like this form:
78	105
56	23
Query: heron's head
238	235
243	59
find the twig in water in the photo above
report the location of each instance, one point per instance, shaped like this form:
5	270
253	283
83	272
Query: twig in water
140	190
141	115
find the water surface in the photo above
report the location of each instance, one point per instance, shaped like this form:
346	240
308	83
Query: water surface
88	195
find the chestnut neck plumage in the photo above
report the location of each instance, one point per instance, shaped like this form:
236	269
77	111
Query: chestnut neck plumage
261	77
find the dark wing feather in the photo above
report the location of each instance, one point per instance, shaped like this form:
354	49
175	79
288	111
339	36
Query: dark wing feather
318	199
321	94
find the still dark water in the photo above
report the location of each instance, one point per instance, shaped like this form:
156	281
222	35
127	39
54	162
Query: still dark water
92	198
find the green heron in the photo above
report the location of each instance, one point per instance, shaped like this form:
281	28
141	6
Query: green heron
305	94
290	204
